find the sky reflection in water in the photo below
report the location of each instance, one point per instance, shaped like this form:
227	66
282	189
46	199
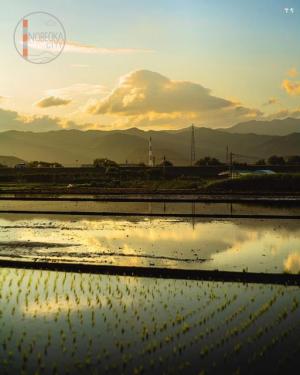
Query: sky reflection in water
252	245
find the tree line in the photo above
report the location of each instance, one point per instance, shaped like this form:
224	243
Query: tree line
211	161
205	161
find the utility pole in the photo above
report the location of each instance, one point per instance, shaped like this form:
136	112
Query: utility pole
164	166
151	158
193	151
227	155
231	165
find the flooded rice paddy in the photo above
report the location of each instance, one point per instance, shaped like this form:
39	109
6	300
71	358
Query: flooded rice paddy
60	323
75	323
259	245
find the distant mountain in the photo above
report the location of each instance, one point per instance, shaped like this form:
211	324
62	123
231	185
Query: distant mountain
10	161
75	147
274	127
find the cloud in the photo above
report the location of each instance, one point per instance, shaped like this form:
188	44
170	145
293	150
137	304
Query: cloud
146	91
271	101
82	48
292	88
11	120
292	263
146	98
77	89
284	113
77	47
292	72
52	101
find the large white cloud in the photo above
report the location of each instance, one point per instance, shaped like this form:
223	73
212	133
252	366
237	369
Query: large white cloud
146	98
146	91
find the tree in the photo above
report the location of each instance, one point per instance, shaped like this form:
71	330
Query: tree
112	170
43	164
276	160
295	159
207	160
166	163
57	165
260	162
104	163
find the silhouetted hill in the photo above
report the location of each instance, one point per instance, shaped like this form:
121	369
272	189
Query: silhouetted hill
72	147
10	161
274	127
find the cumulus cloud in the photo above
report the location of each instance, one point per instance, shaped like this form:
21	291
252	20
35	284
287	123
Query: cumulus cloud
11	120
291	88
146	98
52	101
292	72
146	91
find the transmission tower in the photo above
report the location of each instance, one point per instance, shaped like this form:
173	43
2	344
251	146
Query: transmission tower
193	151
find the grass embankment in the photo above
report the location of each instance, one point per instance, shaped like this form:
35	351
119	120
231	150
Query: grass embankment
266	184
277	183
140	185
165	184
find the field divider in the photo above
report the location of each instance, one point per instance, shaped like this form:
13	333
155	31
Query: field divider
200	199
158	272
153	214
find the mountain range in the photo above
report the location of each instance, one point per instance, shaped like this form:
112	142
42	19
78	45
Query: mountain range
75	147
275	127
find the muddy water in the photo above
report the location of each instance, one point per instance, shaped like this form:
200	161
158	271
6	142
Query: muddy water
237	245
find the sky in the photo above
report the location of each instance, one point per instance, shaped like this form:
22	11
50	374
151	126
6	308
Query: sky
160	64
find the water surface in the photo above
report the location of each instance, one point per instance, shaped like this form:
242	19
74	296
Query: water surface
66	323
234	244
